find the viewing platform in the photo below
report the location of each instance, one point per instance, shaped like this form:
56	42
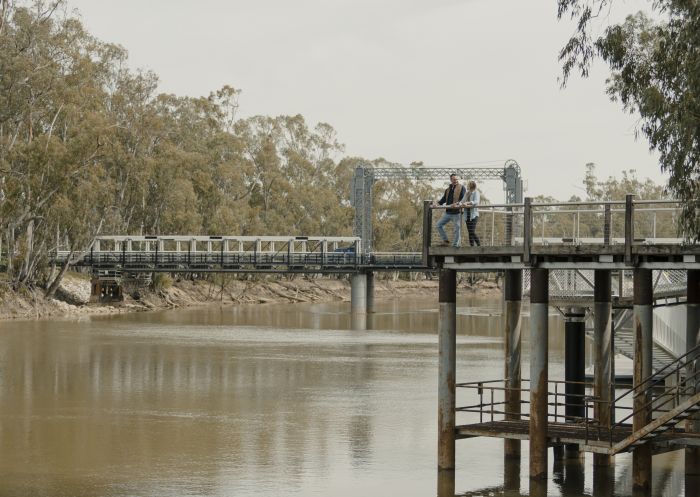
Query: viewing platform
575	235
600	262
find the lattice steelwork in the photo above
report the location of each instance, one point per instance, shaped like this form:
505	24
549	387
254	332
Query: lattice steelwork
577	285
365	177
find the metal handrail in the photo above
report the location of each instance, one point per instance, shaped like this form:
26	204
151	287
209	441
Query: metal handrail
673	392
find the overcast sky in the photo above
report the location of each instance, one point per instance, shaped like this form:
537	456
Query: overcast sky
446	82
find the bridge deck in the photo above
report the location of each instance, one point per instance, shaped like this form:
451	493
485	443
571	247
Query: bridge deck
568	256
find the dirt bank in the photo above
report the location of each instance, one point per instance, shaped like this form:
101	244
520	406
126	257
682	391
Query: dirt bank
72	298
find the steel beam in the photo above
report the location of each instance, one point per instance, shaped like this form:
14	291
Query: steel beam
447	343
513	291
603	353
539	370
643	338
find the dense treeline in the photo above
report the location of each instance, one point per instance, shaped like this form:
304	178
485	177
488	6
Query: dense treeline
88	147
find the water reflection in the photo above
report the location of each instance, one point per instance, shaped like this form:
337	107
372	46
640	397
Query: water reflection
250	400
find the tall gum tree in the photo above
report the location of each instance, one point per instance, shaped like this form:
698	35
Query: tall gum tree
655	73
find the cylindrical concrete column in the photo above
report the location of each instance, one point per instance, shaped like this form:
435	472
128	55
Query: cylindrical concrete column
447	344
513	294
539	370
574	369
370	292
643	336
602	354
358	301
692	337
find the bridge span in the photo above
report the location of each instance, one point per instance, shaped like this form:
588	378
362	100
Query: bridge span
238	254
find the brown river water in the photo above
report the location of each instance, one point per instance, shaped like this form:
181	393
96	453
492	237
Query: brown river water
260	400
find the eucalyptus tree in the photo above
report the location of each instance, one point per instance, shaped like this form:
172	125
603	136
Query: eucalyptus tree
655	72
51	124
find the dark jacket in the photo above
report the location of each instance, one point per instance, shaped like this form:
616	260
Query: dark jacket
449	197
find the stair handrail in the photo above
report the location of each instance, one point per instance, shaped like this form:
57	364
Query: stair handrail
653	380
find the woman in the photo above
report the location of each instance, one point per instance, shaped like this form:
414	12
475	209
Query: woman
472	213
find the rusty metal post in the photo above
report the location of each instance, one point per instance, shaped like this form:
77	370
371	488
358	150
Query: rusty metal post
511	475
574	477
629	228
692	334
513	293
602	354
358	301
527	230
447	343
539	361
574	370
446	483
643	298
603	481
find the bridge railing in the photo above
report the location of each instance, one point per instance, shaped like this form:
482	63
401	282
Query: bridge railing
216	253
531	224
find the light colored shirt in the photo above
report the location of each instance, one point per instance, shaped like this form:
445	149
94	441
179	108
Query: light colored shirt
474	198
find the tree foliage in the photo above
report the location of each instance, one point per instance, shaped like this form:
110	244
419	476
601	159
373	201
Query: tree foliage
655	66
88	147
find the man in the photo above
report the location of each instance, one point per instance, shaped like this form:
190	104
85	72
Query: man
471	215
452	198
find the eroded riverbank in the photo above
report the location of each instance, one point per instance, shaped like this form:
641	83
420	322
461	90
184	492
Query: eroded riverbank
73	297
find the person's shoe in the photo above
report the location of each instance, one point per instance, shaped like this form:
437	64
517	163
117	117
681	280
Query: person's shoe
444	243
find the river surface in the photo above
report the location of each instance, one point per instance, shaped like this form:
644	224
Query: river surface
259	400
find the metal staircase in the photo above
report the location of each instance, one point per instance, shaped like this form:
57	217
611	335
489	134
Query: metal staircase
667	405
624	341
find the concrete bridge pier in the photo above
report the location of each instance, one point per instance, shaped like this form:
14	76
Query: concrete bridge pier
358	301
447	357
513	293
692	454
539	372
603	354
643	337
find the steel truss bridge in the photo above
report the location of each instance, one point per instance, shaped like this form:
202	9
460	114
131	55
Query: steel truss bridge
365	177
237	254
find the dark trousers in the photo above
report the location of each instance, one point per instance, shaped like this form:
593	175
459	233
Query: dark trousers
471	228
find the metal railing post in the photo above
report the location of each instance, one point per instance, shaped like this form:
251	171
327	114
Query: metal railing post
527	229
629	228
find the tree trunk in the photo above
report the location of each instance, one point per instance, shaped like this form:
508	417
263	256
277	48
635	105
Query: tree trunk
51	290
